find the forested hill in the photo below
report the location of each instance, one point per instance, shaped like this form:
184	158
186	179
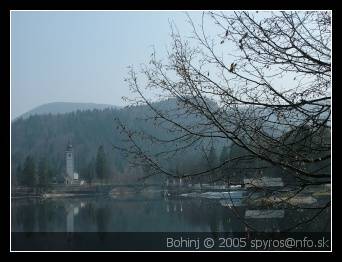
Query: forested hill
47	135
63	107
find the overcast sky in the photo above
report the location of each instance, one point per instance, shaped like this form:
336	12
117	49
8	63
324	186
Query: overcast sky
82	56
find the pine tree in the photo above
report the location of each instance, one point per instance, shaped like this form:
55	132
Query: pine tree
29	177
224	157
224	154
101	164
18	174
43	172
212	163
212	158
89	172
50	174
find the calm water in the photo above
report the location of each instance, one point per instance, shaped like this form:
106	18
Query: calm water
151	212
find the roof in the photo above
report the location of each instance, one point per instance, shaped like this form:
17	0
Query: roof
69	147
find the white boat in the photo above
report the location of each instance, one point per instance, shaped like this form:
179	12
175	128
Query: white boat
235	202
261	214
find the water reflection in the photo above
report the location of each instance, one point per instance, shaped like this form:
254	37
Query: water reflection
72	210
157	214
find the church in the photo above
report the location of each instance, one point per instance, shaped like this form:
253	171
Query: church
71	177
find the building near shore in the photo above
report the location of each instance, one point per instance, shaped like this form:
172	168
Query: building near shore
262	182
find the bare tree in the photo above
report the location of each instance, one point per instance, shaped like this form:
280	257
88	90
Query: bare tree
263	82
258	106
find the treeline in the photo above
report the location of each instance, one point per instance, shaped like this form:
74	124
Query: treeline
42	174
39	142
33	174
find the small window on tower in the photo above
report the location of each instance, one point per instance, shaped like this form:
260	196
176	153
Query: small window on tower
69	155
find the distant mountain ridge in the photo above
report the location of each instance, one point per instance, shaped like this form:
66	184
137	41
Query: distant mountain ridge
63	108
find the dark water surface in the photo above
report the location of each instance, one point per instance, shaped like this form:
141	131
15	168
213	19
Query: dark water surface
151	212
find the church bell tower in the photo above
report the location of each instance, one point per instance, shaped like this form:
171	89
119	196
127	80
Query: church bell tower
69	158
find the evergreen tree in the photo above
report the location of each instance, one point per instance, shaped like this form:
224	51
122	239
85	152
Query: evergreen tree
43	172
19	174
224	154
212	158
240	162
101	164
224	157
89	172
212	163
50	174
29	172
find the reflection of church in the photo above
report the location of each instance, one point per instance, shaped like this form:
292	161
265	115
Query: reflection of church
72	210
71	177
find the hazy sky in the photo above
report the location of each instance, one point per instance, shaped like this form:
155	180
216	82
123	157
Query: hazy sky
82	56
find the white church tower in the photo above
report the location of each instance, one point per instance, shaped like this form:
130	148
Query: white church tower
69	158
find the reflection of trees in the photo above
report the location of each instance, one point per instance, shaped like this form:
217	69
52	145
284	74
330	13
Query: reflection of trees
148	208
102	219
295	220
27	216
42	218
215	221
211	215
87	216
101	215
38	215
304	220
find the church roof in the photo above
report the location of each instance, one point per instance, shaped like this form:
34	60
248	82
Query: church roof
69	147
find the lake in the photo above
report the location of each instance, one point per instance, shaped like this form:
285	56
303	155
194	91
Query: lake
155	211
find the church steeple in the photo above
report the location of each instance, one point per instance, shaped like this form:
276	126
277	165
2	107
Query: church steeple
69	146
69	161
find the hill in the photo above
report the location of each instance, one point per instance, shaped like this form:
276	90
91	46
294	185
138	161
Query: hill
47	135
62	108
